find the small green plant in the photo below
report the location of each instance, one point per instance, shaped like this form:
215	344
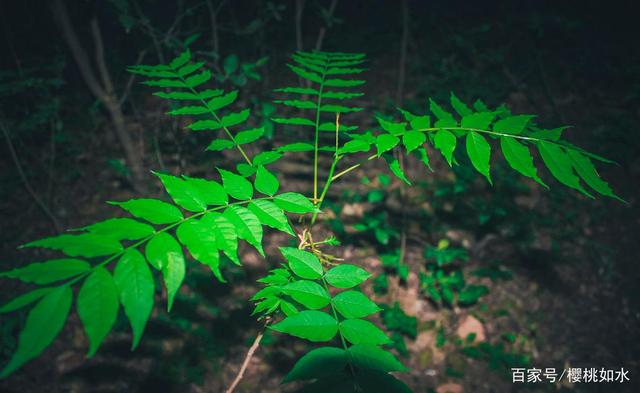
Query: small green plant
444	281
313	295
399	325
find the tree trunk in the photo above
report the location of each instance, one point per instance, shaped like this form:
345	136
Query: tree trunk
103	90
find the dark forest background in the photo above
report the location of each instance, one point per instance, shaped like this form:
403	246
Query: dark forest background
561	270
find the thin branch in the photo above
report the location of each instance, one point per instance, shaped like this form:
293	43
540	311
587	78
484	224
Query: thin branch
323	29
247	358
25	180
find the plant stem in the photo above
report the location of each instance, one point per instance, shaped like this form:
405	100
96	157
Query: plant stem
326	187
342	340
247	359
317	136
165	229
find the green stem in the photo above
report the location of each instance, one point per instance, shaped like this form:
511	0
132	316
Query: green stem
317	135
342	339
327	184
165	229
531	139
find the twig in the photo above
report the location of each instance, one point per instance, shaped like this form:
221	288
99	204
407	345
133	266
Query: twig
247	358
25	181
323	29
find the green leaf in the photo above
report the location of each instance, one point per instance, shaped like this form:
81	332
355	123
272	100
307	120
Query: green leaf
413	139
176	95
460	107
190	68
343	82
342	71
266	157
552	135
294	121
200	240
422	152
519	158
44	322
299	104
512	124
354	146
373	358
445	141
235	118
220	144
188	110
121	229
247	225
135	289
154	250
183	193
440	113
560	165
287	308
588	173
479	152
270	215
208	191
308	293
152	210
478	121
230	64
297	90
198	79
182	59
338	95
420	122
346	276
163	252
167	83
302	263
359	331
248	136
391	127
386	142
354	304
266	182
318	363
220	102
236	186
312	76
296	147
225	234
396	169
88	245
49	271
24	300
312	325
98	306
294	203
